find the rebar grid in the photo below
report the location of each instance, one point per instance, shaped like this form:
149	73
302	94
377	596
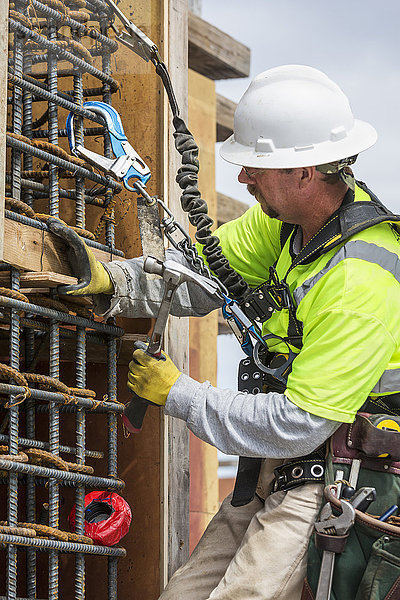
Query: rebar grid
39	88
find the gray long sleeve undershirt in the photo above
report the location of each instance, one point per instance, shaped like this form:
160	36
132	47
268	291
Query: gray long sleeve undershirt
259	425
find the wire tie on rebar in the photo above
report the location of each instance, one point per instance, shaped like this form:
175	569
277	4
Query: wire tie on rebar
125	431
20	457
19	398
95	404
13	294
67	399
19	206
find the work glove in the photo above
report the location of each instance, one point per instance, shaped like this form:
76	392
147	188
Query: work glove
93	277
152	378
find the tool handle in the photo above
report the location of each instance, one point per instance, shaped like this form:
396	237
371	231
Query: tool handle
134	413
135	410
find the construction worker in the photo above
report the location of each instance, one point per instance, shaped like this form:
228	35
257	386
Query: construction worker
338	330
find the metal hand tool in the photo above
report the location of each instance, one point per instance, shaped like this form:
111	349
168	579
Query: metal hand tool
174	275
354	472
133	37
339	478
331	525
363	498
127	165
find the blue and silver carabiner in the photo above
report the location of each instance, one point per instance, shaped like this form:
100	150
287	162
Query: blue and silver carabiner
127	164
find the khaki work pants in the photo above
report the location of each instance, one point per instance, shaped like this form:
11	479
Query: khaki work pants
257	551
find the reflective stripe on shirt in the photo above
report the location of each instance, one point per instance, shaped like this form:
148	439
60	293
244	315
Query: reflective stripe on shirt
390	379
353	249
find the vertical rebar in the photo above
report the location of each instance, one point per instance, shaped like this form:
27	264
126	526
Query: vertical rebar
54	441
12	513
27	126
54	363
106	67
80	459
29	335
53	119
17	113
78	121
112	578
112	445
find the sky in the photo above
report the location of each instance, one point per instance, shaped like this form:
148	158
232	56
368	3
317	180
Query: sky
357	44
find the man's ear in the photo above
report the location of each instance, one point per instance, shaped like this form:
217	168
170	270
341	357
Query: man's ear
306	176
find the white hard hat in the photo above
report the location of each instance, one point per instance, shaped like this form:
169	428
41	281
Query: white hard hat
294	116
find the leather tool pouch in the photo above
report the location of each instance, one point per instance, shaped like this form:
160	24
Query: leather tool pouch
369	566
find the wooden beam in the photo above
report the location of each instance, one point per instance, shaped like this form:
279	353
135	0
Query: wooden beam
223	327
36	250
225	111
229	208
203	332
3	110
175	434
214	53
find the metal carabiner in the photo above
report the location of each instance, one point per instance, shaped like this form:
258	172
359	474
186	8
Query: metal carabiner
127	164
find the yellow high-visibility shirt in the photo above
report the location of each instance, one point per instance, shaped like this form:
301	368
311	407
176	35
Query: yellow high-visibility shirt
348	301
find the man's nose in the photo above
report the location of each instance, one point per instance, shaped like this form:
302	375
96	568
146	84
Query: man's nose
243	177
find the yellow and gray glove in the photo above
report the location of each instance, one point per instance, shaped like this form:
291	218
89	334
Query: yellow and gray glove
152	378
93	277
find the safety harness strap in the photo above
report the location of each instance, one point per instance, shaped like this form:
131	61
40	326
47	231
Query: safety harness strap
351	218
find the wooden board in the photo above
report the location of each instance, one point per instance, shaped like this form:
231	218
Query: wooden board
225	113
203	332
36	250
45	280
3	110
175	435
214	53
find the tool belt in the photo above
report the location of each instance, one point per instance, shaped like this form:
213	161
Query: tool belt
368	567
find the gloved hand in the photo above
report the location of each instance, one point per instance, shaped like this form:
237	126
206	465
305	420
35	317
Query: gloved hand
93	277
150	378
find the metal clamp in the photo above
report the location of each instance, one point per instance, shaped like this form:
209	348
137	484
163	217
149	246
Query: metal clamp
127	164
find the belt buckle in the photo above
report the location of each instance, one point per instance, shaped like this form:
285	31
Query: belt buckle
279	480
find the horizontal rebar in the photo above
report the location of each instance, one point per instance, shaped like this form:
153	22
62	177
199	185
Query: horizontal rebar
50	313
28	443
43	544
104	483
60	162
92	405
35	186
61	53
66	20
40	90
93	131
40	225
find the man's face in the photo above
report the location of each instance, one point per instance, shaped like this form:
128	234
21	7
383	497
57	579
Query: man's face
274	189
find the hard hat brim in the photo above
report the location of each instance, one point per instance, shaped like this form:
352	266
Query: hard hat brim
361	137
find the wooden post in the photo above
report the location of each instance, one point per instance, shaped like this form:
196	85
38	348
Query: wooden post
175	447
3	110
203	332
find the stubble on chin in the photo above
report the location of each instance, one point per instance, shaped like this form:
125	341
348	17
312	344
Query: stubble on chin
270	212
